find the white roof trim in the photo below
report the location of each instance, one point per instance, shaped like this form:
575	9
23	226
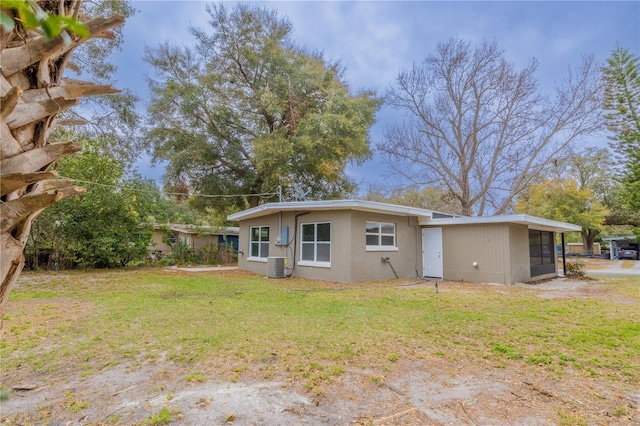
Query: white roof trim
425	217
523	219
360	205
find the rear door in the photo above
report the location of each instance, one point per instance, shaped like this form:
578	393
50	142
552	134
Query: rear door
432	252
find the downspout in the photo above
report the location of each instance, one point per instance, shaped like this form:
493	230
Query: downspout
418	245
564	258
282	243
295	237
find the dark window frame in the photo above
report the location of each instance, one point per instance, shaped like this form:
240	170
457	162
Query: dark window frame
542	259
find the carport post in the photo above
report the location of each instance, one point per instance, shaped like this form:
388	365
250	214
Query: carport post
611	250
564	259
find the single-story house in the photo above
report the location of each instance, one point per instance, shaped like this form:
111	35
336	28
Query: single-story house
195	237
355	240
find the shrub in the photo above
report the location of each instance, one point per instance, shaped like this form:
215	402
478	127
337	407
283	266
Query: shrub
574	269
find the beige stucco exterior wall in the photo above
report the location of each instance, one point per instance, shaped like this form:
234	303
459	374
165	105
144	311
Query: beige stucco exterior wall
157	243
368	265
193	241
350	262
197	242
500	250
340	246
485	244
243	243
518	253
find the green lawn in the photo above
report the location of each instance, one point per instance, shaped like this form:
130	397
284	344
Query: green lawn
312	330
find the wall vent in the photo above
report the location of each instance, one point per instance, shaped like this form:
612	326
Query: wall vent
275	267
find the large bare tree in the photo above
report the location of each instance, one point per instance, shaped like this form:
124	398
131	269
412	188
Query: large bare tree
480	128
33	92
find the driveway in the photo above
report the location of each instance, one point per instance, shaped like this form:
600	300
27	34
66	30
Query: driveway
617	269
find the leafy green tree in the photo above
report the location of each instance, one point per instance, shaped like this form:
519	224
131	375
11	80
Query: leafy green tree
564	200
113	113
594	168
107	226
247	110
31	15
622	102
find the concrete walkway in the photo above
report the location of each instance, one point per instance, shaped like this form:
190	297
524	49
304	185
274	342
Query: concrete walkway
202	268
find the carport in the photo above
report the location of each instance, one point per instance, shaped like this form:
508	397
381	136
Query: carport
616	242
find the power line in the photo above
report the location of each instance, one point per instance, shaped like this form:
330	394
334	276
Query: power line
181	194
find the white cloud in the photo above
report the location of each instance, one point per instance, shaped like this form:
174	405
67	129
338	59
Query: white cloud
374	40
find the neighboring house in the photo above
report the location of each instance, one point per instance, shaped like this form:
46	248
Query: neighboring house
578	249
354	240
195	237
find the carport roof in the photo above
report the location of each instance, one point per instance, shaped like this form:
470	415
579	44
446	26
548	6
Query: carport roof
627	238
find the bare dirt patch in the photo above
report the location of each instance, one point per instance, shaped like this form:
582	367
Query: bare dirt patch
433	391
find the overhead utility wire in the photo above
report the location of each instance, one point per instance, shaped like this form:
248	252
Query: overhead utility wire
263	194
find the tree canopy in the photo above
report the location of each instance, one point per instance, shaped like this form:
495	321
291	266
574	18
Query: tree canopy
105	227
565	200
481	128
622	103
246	110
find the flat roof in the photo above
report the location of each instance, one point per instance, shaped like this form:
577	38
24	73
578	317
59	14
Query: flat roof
198	229
360	205
425	217
522	219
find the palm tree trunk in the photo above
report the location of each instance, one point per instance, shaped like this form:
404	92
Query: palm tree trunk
32	93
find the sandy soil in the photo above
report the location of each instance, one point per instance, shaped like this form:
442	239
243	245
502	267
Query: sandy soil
429	392
439	390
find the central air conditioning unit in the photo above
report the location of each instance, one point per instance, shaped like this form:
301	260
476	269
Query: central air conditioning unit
275	267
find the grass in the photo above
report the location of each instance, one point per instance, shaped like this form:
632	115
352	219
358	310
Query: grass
162	418
310	330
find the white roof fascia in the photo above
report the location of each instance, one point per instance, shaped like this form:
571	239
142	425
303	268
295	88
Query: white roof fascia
523	219
359	205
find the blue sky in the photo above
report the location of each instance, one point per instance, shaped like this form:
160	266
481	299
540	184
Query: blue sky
374	40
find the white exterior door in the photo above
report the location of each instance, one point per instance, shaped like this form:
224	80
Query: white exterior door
432	252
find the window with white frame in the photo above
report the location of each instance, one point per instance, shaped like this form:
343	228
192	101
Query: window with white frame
380	236
259	242
316	244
